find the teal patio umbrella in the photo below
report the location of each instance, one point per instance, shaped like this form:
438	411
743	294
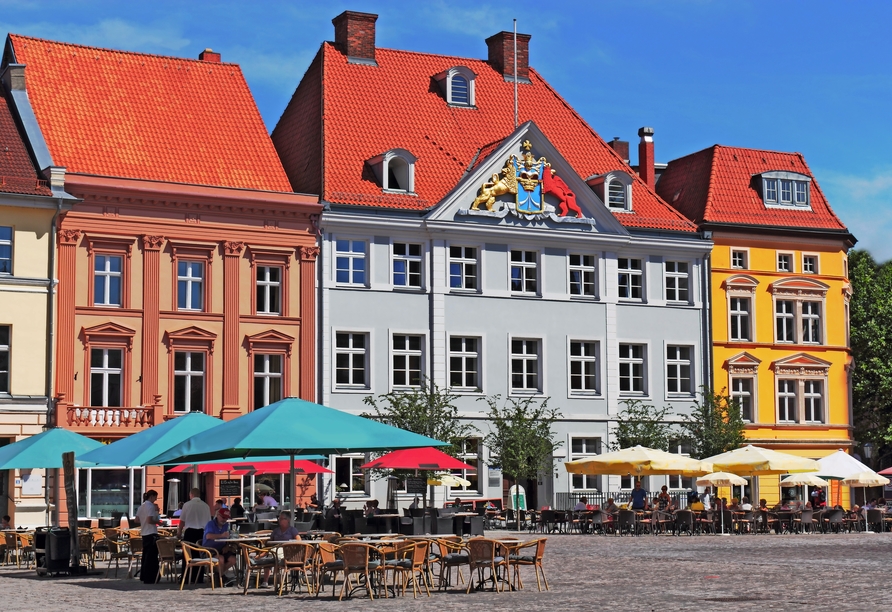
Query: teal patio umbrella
44	450
293	427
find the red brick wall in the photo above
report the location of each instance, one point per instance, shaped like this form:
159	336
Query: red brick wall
355	34
501	53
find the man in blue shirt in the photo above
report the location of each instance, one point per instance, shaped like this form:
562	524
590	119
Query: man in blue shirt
639	497
218	529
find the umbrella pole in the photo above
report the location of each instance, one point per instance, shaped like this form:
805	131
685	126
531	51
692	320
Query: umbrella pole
291	486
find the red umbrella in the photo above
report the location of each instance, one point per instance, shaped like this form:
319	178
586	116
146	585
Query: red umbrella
204	468
426	458
240	468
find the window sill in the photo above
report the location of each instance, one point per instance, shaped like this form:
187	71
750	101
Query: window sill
584	298
350	286
584	395
351	390
404	289
528	296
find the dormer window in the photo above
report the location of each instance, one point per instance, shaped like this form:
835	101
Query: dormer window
395	171
457	85
786	189
614	189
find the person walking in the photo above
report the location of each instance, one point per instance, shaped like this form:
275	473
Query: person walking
148	528
195	516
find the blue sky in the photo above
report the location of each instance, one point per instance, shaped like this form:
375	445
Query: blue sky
807	76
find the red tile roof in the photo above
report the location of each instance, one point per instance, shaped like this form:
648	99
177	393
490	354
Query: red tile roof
17	172
716	185
131	115
371	109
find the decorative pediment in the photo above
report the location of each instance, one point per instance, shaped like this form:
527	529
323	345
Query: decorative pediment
269	339
191	336
798	287
743	363
801	364
108	332
741	283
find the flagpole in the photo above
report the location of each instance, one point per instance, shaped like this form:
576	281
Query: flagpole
515	73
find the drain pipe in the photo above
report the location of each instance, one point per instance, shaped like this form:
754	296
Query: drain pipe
50	347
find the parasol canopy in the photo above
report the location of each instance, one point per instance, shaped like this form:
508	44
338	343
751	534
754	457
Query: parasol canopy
721	479
426	458
450	480
865	479
639	461
44	450
810	480
752	460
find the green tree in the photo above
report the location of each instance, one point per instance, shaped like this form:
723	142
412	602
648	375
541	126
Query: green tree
642	424
521	440
714	426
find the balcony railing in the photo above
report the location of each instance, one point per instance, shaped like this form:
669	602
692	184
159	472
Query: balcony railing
99	421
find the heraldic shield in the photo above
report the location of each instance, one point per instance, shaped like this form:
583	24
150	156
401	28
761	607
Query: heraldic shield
529	182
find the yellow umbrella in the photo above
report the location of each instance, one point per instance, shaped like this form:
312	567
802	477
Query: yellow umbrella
639	461
757	461
450	480
721	479
804	479
865	479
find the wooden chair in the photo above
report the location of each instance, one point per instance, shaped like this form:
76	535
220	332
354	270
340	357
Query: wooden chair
24	549
198	557
135	546
357	557
326	563
167	559
85	545
418	569
483	554
117	550
296	562
255	561
517	558
397	560
4	547
452	554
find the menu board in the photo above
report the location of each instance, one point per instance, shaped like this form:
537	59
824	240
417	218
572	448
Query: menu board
230	488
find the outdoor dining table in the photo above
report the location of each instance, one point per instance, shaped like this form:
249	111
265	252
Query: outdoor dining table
388	520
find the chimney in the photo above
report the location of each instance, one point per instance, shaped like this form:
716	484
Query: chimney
14	77
621	147
208	55
355	36
646	156
501	55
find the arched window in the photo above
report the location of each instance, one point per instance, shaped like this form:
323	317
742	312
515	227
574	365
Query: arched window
460	90
398	174
395	170
616	195
457	85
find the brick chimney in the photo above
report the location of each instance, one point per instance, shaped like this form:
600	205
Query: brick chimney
621	147
646	156
501	55
355	35
208	55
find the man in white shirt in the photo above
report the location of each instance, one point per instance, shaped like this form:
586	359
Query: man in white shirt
148	528
193	518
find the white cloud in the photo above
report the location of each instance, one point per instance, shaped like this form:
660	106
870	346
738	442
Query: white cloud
864	203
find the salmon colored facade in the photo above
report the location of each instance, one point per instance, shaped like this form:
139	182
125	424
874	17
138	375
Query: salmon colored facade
780	294
187	266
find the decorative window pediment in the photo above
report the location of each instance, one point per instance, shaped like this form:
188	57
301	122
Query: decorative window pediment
614	188
798	287
743	363
741	283
395	170
191	336
457	84
269	339
801	364
784	189
109	332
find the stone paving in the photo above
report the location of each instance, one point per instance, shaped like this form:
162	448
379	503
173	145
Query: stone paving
750	572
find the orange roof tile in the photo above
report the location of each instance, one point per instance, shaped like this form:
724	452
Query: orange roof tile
17	172
371	109
716	185
132	115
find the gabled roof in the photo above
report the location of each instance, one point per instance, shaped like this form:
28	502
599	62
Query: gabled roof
397	104
17	172
716	185
132	115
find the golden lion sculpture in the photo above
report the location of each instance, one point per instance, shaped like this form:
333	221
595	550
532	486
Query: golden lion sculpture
495	187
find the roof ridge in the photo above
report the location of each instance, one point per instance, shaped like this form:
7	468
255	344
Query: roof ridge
406	51
814	181
729	147
110	50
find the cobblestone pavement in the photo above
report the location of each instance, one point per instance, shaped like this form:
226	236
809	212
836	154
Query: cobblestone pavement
814	572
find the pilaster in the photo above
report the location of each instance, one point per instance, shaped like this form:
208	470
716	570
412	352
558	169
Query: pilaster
65	333
232	253
307	342
151	308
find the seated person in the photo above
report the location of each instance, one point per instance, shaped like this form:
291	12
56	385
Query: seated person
178	511
734	505
283	532
763	505
457	504
415	503
371	508
745	504
333	516
269	501
581	505
610	507
314	503
218	529
664	500
237	510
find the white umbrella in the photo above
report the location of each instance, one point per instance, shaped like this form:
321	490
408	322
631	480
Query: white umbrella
865	479
721	479
810	480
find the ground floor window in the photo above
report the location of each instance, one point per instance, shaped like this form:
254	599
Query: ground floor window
109	493
470	452
581	448
349	478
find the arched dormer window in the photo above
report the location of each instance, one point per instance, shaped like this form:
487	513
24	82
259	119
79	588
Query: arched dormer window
783	189
457	84
614	189
395	170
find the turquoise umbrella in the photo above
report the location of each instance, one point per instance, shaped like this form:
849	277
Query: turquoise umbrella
44	450
293	427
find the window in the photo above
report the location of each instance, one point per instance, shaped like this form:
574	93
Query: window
190	289
462	267
626	482
740	319
738	260
408	360
786	401
581	448
464	363
267	379
107	280
460	91
470	452
583	367
349	477
5	332
524	272
630	278
106	377
680	482
809	264
616	195
814	401
786	191
785	320
784	262
350	267
395	171
269	290
677	280
582	275
631	369
351	360
188	385
678	370
771	190
406	265
5	250
457	83
811	322
801	193
742	393
525	366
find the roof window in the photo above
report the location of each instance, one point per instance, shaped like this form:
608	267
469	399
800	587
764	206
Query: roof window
614	189
395	171
782	189
457	84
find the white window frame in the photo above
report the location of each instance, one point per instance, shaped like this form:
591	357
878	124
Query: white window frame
189	374
7	350
735	314
106	372
356	474
630	274
618	184
589	482
381	165
408	260
787	393
674	277
774	184
744	255
798	318
809	396
679	363
789	319
738	394
265	286
582	269
525	267
350	257
464	262
815	260
536	358
471	458
267	376
464	355
107	274
583	359
10	244
190	283
631	361
470	78
790	257
407	354
811	323
680	483
351	350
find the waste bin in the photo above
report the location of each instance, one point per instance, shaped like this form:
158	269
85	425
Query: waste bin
39	546
58	550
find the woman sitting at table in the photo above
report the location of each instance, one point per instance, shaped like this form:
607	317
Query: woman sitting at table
610	507
371	508
664	500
